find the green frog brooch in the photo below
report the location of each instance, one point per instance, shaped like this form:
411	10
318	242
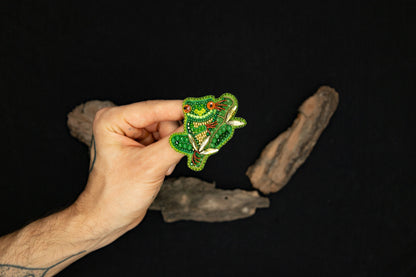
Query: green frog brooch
209	123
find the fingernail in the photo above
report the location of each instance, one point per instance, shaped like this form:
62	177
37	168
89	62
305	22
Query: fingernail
170	170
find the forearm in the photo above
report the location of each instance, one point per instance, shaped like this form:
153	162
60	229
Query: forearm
48	245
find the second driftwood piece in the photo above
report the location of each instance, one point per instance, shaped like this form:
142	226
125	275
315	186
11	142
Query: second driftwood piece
286	153
188	198
182	198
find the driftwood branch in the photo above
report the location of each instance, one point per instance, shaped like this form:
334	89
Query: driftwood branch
182	198
188	198
285	154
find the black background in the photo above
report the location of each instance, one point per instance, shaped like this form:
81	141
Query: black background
348	211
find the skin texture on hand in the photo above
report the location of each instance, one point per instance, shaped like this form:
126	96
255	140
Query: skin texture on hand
130	157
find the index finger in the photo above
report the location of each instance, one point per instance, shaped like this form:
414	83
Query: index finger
142	114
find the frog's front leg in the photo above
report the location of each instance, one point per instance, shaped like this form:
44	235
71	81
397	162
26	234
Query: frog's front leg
181	143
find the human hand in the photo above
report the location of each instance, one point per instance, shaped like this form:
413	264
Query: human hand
130	157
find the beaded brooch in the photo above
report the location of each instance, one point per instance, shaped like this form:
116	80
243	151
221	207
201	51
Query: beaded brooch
209	123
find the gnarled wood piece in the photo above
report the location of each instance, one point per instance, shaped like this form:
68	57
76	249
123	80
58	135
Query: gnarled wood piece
286	153
188	198
182	198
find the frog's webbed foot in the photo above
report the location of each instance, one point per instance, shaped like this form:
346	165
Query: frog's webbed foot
211	125
196	161
195	158
220	106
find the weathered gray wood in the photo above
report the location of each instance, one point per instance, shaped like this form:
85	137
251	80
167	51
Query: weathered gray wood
188	198
285	154
182	198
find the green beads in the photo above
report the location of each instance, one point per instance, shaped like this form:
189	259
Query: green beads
209	124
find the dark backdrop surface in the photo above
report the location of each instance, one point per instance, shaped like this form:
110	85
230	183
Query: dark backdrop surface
348	211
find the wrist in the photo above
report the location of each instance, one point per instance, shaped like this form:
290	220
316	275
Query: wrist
80	228
93	227
102	213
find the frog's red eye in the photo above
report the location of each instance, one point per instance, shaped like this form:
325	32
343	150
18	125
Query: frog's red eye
210	105
187	109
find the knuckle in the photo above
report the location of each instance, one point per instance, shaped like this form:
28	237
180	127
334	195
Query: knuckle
100	113
153	103
102	116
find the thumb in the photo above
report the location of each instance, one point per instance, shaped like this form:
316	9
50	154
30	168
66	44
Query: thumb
168	157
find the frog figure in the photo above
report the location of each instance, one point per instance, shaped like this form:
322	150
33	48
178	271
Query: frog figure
209	123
